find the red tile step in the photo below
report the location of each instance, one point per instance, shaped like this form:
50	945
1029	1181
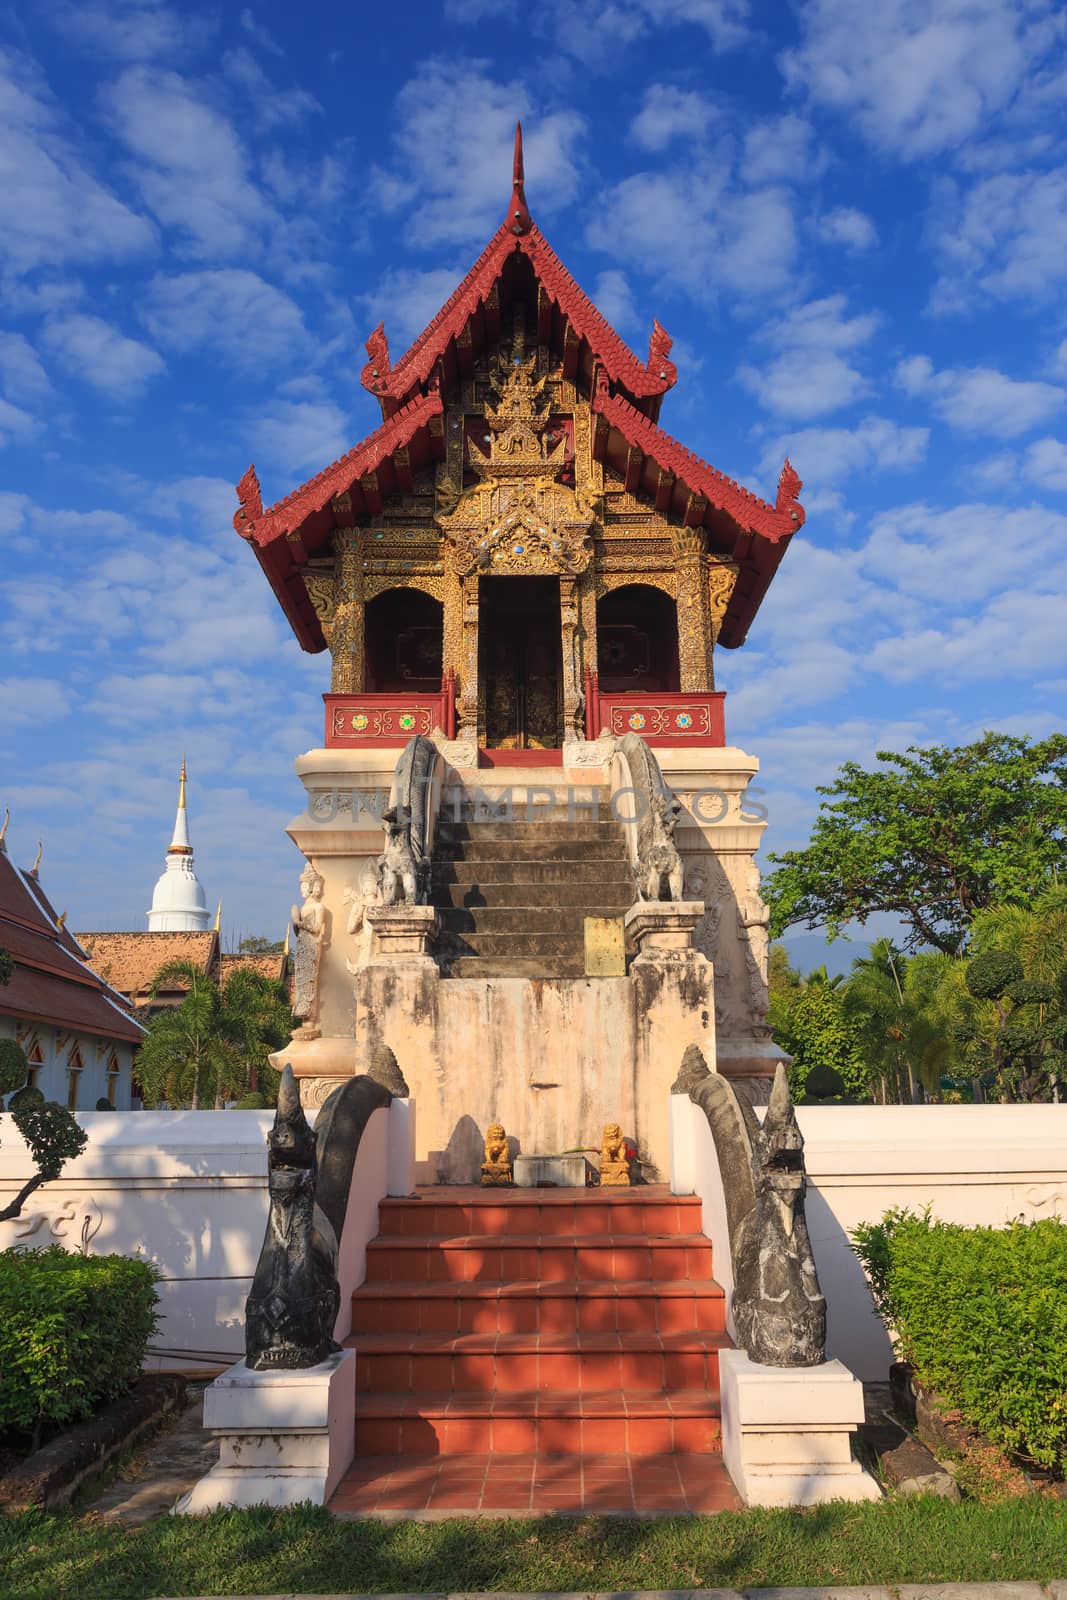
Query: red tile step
598	1306
465	1210
436	1487
558	1258
484	1362
612	1422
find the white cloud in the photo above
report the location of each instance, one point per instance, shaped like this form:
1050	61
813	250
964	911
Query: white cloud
300	434
229	312
189	163
781	150
919	78
467	119
1045	464
406	299
22	376
812	374
689	229
613	297
952	559
1004	238
980	399
16	425
271	107
13	508
825	456
1018	635
131	30
668	113
102	356
27	702
52	209
848	227
256	30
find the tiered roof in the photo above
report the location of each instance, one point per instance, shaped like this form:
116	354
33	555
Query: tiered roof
53	981
624	392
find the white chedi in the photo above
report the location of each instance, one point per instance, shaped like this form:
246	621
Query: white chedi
178	903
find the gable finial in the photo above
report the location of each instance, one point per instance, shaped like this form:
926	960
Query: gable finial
3	830
519	219
35	869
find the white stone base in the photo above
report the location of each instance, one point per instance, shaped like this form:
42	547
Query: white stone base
786	1432
284	1435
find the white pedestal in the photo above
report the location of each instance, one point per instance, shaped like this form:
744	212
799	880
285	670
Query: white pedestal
400	1154
284	1435
786	1432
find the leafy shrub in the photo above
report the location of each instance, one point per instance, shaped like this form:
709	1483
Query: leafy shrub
73	1333
250	1102
981	1314
13	1065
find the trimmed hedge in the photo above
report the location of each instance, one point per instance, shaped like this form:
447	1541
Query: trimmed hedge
981	1314
73	1333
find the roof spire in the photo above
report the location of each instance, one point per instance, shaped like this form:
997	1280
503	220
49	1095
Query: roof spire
288	934
179	844
37	860
3	830
518	219
218	918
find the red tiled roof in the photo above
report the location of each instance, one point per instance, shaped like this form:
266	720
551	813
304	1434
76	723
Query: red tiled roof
612	354
130	961
51	981
262	526
725	494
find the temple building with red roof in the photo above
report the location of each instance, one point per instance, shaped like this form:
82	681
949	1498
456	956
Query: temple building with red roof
399	557
76	1030
523	566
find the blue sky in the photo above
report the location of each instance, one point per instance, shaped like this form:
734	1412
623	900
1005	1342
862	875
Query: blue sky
851	218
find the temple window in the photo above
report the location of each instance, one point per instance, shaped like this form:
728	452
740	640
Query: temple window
35	1058
112	1077
404	642
637	641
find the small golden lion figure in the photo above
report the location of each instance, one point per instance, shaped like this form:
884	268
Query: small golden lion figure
614	1167
496	1168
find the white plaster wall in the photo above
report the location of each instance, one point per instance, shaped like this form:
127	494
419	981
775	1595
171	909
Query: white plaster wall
186	1190
978	1165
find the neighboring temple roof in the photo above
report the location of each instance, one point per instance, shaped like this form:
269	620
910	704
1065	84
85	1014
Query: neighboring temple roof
130	961
52	981
623	392
272	964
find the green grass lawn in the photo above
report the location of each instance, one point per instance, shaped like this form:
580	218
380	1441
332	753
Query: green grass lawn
52	1557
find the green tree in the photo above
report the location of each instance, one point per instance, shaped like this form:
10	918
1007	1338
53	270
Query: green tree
933	836
887	1000
256	945
213	1045
813	1027
1012	1025
53	1136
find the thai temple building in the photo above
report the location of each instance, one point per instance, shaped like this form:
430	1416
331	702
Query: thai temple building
75	1029
524	584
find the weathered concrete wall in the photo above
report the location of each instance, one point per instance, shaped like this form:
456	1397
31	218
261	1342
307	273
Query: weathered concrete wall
552	1059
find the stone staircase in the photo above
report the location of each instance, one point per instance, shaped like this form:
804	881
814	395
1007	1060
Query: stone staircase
537	1349
513	896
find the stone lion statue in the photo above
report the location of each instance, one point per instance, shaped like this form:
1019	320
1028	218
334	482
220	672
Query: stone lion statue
496	1145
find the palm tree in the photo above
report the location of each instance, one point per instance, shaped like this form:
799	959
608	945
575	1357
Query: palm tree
885	998
216	1042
